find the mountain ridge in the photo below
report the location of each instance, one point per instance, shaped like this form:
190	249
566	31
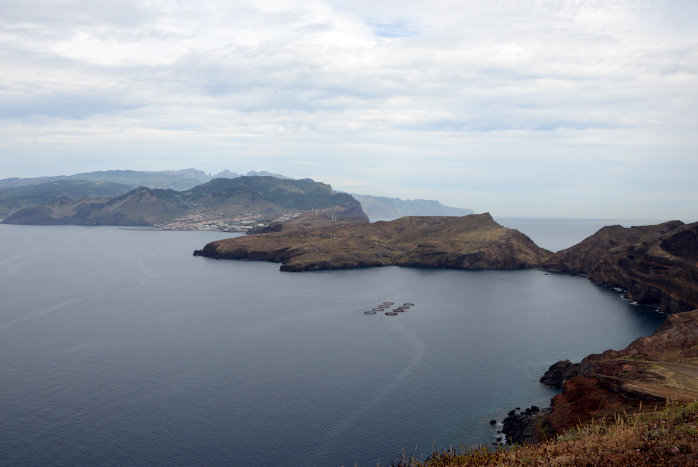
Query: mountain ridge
182	180
253	197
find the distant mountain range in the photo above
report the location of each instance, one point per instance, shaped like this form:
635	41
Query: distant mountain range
168	179
21	193
256	197
24	196
383	207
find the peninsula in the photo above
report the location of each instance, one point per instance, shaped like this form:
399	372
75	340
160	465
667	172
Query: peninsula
470	242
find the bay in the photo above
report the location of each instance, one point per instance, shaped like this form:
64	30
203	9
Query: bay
119	347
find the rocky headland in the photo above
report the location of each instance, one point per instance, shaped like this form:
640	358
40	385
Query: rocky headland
648	373
656	264
470	242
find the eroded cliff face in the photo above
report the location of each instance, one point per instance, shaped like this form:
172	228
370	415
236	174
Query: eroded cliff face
469	242
656	264
651	370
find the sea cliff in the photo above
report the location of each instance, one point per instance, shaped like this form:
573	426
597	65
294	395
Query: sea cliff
656	264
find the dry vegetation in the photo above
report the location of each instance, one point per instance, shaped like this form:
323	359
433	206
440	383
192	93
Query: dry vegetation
658	438
470	242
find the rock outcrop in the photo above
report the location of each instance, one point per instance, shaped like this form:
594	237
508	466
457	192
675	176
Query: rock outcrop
523	426
470	242
656	264
651	370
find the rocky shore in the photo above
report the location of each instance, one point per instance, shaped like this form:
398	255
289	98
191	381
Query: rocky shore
657	265
649	372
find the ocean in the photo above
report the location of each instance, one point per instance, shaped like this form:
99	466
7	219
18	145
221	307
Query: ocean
117	346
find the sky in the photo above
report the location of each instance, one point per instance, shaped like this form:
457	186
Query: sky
530	108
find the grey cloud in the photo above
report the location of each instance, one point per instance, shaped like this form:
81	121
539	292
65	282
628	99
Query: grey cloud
72	106
71	13
385	84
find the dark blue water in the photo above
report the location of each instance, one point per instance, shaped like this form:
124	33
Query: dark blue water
120	347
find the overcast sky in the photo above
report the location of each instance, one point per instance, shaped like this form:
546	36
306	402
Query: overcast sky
521	108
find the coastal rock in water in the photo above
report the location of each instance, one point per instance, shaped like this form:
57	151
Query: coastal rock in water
559	372
524	427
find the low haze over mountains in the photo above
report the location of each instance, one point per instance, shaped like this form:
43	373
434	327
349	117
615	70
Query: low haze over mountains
214	203
60	192
172	179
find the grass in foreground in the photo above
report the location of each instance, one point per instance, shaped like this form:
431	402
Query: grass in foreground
660	438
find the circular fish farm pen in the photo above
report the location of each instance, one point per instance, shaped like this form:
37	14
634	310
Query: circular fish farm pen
386	306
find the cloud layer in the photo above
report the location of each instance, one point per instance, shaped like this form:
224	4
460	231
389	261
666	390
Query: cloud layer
547	108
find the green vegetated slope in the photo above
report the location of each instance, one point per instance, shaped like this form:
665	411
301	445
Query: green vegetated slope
20	197
220	197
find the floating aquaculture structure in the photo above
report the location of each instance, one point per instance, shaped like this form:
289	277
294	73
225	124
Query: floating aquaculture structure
385	306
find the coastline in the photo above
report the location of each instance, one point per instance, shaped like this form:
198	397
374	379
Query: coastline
653	265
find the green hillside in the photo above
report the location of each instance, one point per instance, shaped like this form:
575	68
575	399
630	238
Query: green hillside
20	197
251	197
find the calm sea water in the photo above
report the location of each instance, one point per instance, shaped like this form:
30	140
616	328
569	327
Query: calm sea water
558	234
120	347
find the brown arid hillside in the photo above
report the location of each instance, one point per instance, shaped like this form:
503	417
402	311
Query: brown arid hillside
470	242
650	371
656	264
